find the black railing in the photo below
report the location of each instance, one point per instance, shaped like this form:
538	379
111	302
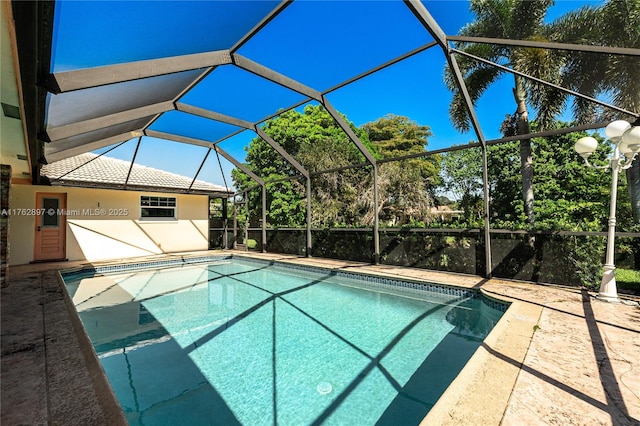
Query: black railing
452	250
566	258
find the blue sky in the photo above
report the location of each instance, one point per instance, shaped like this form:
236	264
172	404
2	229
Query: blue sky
318	43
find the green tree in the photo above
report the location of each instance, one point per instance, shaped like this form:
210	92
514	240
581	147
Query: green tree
396	135
462	177
614	23
503	163
570	197
314	139
510	19
344	197
406	187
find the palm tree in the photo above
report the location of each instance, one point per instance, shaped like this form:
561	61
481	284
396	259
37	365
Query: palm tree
615	23
519	20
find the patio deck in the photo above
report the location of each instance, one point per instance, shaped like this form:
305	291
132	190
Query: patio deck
557	357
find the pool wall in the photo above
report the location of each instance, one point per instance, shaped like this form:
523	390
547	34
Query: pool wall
472	388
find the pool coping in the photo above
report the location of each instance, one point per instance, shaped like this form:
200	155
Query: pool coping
459	404
580	364
494	366
105	395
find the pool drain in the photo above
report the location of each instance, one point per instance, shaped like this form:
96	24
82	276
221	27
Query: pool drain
324	388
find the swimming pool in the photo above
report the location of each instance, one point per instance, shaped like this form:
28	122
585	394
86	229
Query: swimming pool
238	341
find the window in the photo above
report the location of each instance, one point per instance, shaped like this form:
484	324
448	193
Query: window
157	207
50	216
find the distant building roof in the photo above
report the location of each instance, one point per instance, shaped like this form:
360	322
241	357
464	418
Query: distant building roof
91	170
445	212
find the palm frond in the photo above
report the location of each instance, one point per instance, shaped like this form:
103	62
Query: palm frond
477	78
581	26
549	103
493	18
545	65
528	17
625	70
459	113
621	23
586	112
616	23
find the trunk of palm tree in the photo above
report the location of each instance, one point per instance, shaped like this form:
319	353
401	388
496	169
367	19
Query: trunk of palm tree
526	160
633	183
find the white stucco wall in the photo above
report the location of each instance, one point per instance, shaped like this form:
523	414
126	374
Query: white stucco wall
113	230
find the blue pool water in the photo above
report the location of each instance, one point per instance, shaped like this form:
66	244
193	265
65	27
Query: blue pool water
235	341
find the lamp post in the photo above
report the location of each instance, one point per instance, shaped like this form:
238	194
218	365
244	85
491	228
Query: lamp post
627	144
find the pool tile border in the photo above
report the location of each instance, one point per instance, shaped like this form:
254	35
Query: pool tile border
374	281
380	282
125	267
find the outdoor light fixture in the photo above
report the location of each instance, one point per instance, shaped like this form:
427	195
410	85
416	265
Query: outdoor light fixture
627	144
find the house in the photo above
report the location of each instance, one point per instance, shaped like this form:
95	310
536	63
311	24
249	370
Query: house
84	213
445	213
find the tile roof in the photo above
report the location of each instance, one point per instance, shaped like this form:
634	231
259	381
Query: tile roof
104	172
